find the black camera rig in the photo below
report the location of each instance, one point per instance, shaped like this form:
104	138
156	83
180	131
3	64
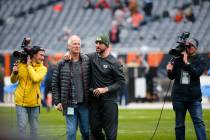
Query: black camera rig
182	45
25	51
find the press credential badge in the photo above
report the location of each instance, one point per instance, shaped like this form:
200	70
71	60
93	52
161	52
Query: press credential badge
185	78
70	111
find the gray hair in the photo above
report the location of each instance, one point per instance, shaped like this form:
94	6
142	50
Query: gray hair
73	37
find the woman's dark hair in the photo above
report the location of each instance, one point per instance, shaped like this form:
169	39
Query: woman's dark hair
36	49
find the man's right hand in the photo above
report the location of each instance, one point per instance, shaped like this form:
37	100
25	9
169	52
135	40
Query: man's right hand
59	107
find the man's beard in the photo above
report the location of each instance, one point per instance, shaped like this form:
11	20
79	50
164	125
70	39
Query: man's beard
100	51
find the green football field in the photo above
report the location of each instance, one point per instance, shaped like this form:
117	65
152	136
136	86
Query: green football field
134	124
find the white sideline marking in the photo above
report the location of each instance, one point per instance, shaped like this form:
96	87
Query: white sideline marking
158	105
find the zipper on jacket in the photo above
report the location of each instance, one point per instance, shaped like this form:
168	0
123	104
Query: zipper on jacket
25	89
83	83
37	97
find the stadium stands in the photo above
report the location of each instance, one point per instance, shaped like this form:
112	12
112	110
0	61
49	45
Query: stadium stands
39	20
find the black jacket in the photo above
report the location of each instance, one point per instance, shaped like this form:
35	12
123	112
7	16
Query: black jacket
106	72
191	91
48	80
61	82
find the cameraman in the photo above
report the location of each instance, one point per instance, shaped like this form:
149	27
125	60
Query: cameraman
27	95
186	91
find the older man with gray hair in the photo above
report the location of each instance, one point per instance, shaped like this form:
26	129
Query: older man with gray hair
70	85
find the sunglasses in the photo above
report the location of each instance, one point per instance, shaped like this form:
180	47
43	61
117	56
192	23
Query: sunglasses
188	46
99	42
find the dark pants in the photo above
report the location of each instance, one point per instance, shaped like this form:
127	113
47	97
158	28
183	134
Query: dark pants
195	111
148	9
103	115
1	92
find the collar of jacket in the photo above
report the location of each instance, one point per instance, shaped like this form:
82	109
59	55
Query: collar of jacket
36	64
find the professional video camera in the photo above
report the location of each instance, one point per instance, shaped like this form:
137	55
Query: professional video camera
176	52
25	51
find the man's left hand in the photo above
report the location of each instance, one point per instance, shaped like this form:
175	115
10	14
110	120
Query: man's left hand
99	91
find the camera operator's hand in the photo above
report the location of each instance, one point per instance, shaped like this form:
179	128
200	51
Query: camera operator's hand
15	68
185	57
169	67
28	60
59	107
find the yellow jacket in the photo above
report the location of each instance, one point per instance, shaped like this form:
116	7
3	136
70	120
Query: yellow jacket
29	79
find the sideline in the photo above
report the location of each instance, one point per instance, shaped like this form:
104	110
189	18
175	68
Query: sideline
157	105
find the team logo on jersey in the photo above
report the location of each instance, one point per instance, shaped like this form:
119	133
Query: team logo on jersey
105	66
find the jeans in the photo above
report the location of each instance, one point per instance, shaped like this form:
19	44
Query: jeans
25	115
123	94
195	110
80	117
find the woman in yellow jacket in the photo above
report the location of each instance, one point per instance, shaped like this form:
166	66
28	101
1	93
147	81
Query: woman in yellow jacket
27	94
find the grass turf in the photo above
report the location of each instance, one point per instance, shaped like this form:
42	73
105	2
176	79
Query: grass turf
134	124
